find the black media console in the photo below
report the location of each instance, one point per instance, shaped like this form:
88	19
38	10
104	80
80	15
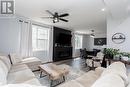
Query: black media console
62	47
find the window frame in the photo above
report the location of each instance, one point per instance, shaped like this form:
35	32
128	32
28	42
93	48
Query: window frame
80	43
37	39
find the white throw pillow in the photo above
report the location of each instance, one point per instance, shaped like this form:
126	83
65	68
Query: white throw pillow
109	80
3	73
15	58
6	60
117	68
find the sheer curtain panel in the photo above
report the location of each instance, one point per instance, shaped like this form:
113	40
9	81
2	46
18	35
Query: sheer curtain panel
26	39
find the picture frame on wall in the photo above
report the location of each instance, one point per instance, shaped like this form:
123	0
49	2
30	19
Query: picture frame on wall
100	41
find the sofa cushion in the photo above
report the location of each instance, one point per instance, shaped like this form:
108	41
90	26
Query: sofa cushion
109	80
18	67
3	73
20	76
117	68
71	83
6	60
15	58
88	79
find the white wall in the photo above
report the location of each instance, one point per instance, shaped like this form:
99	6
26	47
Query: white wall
118	26
88	42
9	35
118	21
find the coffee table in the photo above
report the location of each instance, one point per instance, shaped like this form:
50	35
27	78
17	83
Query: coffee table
54	72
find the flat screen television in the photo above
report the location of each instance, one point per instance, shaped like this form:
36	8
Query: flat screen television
64	39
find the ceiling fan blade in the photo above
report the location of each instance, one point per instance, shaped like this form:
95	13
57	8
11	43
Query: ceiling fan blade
64	15
50	12
64	20
46	17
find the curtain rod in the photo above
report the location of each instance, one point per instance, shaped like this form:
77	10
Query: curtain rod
35	24
23	21
40	25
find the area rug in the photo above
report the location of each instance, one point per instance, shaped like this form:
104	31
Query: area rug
73	74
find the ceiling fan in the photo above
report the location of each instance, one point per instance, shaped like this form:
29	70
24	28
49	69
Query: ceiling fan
92	33
56	17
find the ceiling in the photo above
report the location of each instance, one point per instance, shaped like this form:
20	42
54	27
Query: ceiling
85	15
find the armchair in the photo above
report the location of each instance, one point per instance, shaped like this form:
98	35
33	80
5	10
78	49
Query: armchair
95	61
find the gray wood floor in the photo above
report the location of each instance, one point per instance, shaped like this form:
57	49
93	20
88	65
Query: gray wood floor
77	63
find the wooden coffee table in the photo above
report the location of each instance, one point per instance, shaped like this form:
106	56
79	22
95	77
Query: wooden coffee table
54	72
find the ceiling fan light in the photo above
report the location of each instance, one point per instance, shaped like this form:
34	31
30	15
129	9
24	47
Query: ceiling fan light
56	20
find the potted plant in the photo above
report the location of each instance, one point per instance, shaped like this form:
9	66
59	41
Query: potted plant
110	52
125	56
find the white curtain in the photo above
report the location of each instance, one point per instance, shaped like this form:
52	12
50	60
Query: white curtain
76	52
50	51
26	39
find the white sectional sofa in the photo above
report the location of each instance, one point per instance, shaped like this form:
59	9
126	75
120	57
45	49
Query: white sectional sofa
114	75
16	74
20	75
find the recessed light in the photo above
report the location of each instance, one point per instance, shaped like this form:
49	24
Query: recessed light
103	9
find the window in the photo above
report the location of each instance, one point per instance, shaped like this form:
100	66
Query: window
78	41
40	38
